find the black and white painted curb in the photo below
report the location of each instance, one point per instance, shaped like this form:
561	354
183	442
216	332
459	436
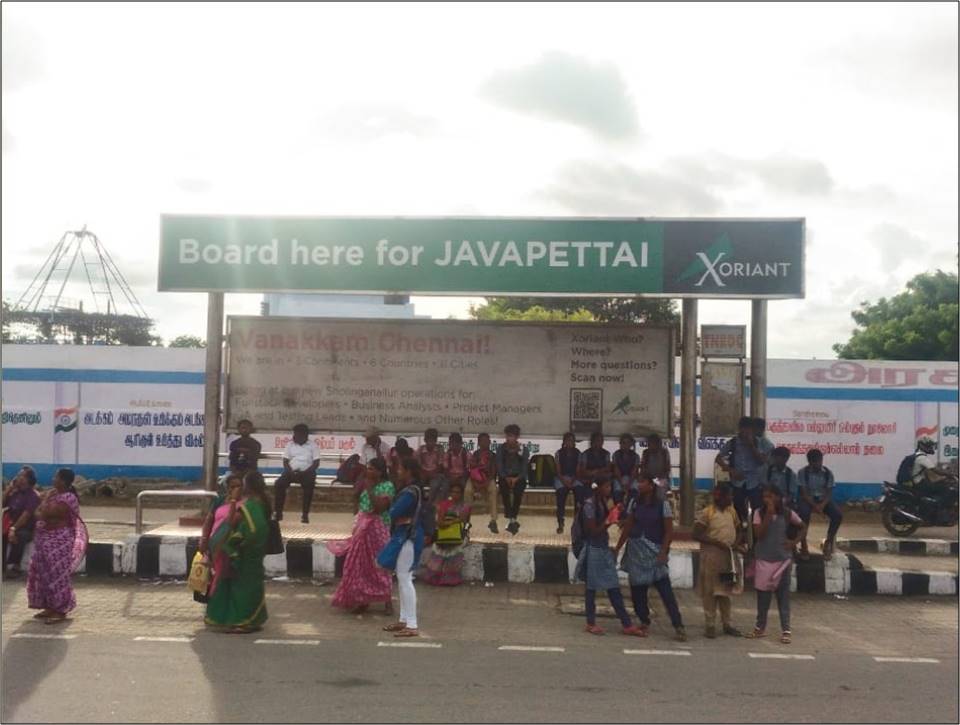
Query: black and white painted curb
845	574
877	544
150	557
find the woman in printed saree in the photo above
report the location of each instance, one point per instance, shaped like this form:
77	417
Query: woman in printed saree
60	541
236	548
445	564
363	582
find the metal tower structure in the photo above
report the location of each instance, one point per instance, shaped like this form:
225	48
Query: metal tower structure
80	250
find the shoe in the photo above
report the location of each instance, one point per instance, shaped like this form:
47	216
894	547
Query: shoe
513	527
681	634
494	529
304	519
710	632
635	631
560	529
732	631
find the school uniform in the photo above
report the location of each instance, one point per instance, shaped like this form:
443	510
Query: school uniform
647	532
567	461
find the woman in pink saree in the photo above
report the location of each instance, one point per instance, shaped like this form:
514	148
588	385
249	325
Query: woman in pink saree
363	582
60	542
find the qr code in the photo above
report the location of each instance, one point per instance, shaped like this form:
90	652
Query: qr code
586	405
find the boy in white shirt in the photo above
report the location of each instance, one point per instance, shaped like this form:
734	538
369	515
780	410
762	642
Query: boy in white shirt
300	461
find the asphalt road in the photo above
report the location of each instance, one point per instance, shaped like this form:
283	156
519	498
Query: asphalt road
312	664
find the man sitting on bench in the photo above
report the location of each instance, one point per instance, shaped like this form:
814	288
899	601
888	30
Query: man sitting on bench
300	461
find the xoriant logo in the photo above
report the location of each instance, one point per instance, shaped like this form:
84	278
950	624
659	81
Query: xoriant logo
716	264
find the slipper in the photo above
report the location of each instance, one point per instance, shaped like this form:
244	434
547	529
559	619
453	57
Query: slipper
55	618
395	627
41	615
406	632
593	629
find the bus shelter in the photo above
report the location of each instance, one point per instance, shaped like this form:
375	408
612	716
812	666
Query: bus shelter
686	259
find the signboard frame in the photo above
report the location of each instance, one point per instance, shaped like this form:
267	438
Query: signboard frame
707	430
729	353
669	270
472	325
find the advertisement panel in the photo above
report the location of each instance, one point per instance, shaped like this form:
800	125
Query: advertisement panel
740	258
405	376
721	401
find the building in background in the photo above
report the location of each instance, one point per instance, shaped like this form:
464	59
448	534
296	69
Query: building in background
317	305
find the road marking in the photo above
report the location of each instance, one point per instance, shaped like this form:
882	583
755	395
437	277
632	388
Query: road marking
522	648
773	656
24	635
919	660
681	653
163	639
431	645
287	641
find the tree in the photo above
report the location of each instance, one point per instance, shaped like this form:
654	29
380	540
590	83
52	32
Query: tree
598	309
187	341
494	310
918	324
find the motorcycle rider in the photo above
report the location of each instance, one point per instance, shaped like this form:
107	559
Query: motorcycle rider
925	473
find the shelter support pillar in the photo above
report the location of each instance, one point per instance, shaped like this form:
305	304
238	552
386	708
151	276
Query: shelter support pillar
758	359
688	412
211	390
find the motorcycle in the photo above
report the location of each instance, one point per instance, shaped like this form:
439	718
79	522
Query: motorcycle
905	509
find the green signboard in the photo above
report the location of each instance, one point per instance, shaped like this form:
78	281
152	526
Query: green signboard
756	258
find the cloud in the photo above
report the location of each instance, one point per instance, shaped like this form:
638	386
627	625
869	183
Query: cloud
193	185
22	60
791	175
895	244
589	187
779	173
371	121
919	61
563	87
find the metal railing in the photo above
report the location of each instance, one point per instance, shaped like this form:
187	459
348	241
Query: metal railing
162	494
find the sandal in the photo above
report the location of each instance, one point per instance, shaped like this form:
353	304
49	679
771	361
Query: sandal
406	632
55	618
395	627
757	633
785	638
593	629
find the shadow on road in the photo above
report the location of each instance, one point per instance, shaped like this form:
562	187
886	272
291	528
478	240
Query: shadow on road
28	662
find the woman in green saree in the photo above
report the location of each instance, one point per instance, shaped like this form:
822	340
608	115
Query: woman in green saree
236	596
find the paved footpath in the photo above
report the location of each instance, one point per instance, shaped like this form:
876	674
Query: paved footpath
138	652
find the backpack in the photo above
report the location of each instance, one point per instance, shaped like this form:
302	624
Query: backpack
350	470
577	530
542	471
905	471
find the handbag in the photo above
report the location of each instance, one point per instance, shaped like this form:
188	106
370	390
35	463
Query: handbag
274	539
199	579
451	533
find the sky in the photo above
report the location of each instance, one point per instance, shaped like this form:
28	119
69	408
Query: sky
115	113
